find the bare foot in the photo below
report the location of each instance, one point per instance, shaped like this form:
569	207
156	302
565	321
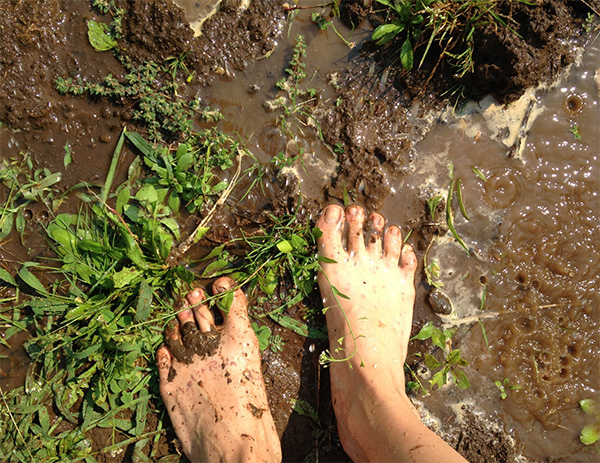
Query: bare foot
212	385
370	330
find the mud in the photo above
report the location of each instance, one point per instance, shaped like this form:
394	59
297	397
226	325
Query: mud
374	118
191	343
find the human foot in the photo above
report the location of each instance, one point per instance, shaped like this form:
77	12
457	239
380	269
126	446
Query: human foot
212	385
373	325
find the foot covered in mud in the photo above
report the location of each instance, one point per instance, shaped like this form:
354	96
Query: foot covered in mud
368	295
212	385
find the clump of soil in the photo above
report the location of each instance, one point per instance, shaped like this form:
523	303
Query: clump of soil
532	47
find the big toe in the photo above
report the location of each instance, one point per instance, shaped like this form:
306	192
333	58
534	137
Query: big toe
331	224
234	302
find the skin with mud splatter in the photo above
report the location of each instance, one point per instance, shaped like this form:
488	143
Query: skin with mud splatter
376	420
217	403
212	384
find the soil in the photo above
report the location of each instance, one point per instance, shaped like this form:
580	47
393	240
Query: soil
42	41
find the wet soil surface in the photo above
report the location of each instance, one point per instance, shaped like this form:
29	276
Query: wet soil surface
374	127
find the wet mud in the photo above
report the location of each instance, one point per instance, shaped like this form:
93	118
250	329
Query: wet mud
385	144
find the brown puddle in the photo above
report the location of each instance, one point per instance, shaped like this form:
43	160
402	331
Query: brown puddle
534	226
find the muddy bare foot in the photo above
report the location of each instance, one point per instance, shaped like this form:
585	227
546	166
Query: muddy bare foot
212	385
369	327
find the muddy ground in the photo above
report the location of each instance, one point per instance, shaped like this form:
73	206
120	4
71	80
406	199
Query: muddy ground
46	39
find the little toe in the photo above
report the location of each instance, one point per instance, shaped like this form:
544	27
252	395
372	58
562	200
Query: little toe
202	314
237	316
330	222
374	240
392	245
163	362
355	216
408	262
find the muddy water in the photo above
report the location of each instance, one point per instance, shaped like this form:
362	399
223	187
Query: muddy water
535	231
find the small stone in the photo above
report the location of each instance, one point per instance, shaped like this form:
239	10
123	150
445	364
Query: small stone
440	303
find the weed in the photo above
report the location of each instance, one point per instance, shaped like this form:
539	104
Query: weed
505	386
449	25
451	359
300	98
575	131
324	23
432	204
432	272
26	185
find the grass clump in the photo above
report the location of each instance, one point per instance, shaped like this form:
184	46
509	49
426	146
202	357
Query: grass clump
451	25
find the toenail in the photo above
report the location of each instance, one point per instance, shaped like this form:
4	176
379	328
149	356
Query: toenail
395	231
195	294
332	214
377	221
353	211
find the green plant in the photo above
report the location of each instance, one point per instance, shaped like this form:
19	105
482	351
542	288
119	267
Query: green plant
575	131
450	25
300	99
505	386
324	23
151	91
432	272
408	22
450	361
432	204
26	185
590	434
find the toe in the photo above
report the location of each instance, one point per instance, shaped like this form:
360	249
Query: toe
237	317
392	245
331	222
355	216
202	314
374	241
186	315
164	362
408	262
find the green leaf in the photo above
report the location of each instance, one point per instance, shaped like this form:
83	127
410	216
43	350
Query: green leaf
268	282
67	158
140	143
297	327
263	333
460	200
122	199
431	362
30	279
589	406
480	174
285	246
7	277
406	55
432	203
125	276
386	32
438	339
425	332
100	36
453	357
590	434
450	220
147	194
185	162
460	379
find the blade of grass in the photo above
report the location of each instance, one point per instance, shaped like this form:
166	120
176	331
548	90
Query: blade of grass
113	167
450	219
